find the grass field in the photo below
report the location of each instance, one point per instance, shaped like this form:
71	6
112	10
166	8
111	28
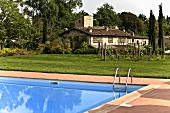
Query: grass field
84	64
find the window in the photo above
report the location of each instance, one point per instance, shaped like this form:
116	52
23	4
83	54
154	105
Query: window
121	41
96	40
132	39
79	21
110	40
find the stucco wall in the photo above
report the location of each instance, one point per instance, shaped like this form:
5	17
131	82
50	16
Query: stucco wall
141	41
104	39
116	41
88	21
79	22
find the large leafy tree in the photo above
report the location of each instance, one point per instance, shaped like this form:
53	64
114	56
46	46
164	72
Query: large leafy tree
2	34
142	17
167	20
106	16
65	14
132	23
43	9
145	22
15	29
54	14
166	27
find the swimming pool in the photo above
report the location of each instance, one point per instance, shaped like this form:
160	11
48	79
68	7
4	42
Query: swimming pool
44	96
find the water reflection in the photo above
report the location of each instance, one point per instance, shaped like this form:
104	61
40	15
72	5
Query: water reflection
34	99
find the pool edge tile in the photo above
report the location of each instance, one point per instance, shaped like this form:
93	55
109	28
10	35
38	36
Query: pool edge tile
112	105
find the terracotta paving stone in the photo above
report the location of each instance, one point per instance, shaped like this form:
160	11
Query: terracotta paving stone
154	98
156	101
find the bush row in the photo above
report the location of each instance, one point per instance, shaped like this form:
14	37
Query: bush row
86	51
58	46
12	52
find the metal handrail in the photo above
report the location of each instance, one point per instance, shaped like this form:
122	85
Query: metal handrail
129	73
117	73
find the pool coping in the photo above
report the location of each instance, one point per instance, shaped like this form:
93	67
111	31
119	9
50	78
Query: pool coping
112	105
152	85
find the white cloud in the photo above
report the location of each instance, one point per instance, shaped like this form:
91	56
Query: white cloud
21	108
45	104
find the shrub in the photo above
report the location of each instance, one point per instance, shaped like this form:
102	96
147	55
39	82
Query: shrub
109	51
40	48
86	51
58	46
13	52
85	48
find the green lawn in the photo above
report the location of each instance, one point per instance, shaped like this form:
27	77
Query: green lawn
84	64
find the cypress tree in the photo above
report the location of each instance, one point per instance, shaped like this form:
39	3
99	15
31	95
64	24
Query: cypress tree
150	28
152	31
160	20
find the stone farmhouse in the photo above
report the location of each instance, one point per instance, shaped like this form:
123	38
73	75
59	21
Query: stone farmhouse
111	35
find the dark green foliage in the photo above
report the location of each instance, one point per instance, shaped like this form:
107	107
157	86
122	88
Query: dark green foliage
132	23
166	29
160	20
150	28
153	34
49	18
130	53
45	24
106	16
85	48
168	20
76	42
58	46
42	8
16	31
152	31
86	51
96	23
55	15
142	17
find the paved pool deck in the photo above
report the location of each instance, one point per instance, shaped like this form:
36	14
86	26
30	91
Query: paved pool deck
154	98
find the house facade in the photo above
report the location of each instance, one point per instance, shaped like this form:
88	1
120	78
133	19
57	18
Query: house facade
111	35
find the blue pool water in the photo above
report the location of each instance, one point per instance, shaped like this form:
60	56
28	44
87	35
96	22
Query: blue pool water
44	96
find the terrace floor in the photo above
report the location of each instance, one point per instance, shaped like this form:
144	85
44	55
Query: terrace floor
154	98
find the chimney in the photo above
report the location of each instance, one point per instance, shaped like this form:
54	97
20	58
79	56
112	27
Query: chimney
107	28
90	29
115	27
65	29
133	34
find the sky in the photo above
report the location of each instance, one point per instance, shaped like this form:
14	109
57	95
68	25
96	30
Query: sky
134	6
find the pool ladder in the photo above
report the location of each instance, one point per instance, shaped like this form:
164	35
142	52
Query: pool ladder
127	78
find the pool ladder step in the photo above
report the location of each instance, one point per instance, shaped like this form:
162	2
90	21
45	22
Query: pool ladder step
127	78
